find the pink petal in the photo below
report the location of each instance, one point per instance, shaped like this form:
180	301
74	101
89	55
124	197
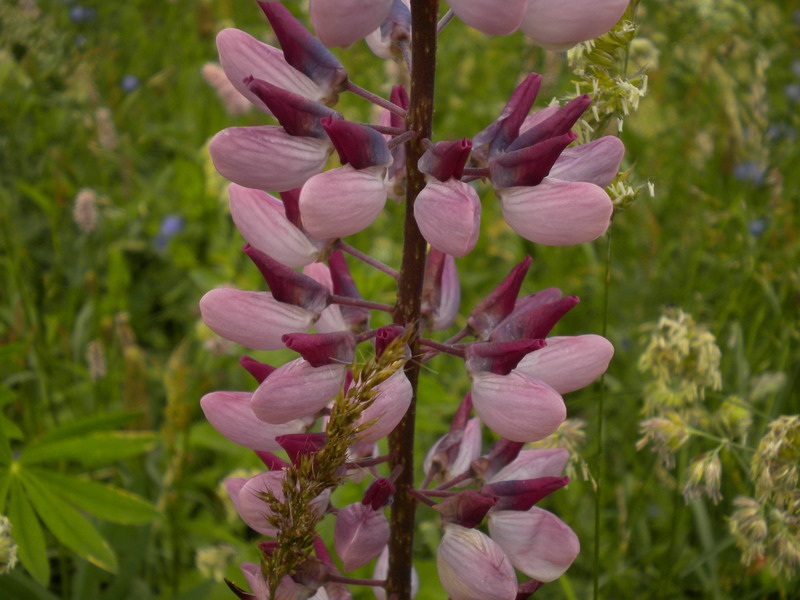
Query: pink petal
360	535
533	464
449	216
538	117
296	390
343	22
446	311
469	449
569	363
473	567
387	409
538	543
230	414
489	16
516	406
560	24
557	213
596	162
382	570
241	56
266	157
287	588
252	319
261	220
342	201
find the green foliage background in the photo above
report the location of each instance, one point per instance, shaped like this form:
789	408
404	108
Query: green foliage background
716	134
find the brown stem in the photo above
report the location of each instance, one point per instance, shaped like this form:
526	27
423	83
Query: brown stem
424	17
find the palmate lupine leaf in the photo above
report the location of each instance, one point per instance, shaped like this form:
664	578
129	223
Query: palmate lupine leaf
67	524
90	424
93	449
28	534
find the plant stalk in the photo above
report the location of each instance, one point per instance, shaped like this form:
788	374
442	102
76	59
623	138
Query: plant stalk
424	19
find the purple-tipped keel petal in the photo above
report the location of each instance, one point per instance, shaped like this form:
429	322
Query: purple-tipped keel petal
297	114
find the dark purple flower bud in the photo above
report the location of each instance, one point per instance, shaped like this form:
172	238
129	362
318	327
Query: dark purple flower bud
271	461
558	124
260	371
287	285
522	494
528	166
467	508
305	52
385	336
344	285
379	493
497	136
359	146
321	349
298	445
534	316
291	206
444	160
500	302
499	357
527	589
267	547
501	454
297	114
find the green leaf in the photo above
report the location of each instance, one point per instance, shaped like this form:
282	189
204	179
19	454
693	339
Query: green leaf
28	534
93	423
67	524
103	501
11	429
99	448
18	586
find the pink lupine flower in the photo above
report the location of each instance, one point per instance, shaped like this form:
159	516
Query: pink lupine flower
490	17
343	22
330	319
382	570
360	534
569	363
517	406
253	319
533	316
388	407
536	541
451	457
596	162
296	390
500	302
287	589
532	464
394	30
560	24
230	414
241	56
467	508
298	445
441	290
262	221
522	494
474	567
266	157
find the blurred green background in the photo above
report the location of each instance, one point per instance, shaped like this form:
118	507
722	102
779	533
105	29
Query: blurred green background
113	224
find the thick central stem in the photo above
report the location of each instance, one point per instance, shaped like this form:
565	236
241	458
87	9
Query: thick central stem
424	17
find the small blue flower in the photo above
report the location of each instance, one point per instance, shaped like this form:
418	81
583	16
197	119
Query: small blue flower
792	92
81	14
171	225
129	83
751	171
757	226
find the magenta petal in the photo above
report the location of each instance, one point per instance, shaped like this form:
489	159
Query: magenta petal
516	406
360	535
569	363
532	464
266	157
262	221
296	390
557	213
489	16
230	414
596	162
449	216
538	543
474	567
560	24
342	201
252	319
241	55
500	302
343	22
387	409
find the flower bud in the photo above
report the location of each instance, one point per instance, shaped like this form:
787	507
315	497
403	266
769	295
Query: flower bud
569	363
297	114
379	493
343	22
536	541
360	534
449	216
252	319
230	414
260	371
445	160
474	567
516	406
298	445
357	145
321	349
